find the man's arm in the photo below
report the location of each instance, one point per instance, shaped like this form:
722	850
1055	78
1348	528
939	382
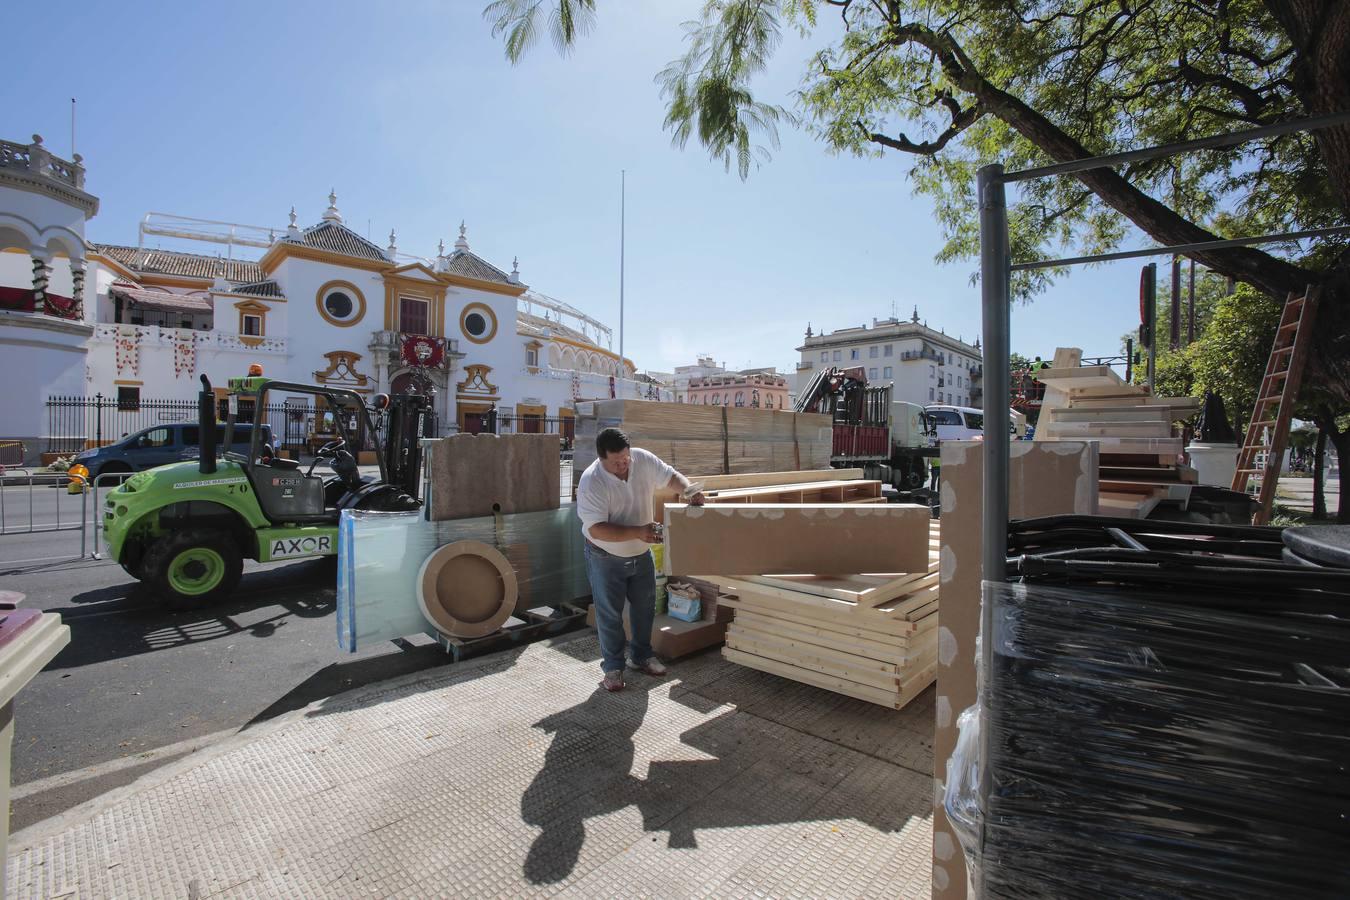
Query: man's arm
608	531
681	484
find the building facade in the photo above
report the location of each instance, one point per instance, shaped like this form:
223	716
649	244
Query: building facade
924	365
320	304
756	388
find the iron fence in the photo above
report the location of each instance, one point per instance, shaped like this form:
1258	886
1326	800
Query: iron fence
79	423
563	426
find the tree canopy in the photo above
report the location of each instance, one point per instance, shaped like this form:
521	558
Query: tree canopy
955	84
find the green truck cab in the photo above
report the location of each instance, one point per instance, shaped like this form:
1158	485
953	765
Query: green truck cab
185	529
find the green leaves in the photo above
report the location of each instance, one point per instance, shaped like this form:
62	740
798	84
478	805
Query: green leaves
707	90
518	20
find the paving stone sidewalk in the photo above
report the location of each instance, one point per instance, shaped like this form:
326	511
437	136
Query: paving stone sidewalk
514	776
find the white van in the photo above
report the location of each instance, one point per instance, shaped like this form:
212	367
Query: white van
965	423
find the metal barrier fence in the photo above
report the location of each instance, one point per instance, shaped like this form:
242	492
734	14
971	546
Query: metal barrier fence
11	453
21	509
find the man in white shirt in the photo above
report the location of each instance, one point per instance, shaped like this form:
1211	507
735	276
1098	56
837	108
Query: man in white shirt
614	500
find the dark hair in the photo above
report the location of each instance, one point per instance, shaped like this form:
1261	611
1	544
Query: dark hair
610	440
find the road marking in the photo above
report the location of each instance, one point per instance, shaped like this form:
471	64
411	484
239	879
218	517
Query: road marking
88	773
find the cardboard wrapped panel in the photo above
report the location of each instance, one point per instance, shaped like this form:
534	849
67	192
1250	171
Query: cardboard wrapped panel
1046	479
822	539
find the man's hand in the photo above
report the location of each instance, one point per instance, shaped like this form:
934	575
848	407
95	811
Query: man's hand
697	499
650	533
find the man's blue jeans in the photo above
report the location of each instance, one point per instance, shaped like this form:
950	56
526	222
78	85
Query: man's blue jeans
615	579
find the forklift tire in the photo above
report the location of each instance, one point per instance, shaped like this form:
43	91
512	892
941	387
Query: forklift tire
193	568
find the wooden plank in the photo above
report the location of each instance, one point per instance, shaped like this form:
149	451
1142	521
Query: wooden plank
1117	429
803	615
826	606
1114	401
798	652
837	491
1123	413
868	590
822	539
899	652
759	479
889	699
1079	377
910	606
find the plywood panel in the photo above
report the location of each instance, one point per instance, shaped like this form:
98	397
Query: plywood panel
474	475
822	539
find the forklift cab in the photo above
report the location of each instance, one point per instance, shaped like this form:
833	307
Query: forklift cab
286	491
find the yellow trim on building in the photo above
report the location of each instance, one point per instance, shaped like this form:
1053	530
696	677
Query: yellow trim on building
252	308
350	288
124	382
488	314
433	292
283	250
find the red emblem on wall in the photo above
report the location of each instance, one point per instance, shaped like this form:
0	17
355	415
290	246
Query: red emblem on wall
423	351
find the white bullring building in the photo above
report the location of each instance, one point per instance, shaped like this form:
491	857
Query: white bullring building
318	304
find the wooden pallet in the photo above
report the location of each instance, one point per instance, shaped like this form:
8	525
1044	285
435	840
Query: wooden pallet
873	637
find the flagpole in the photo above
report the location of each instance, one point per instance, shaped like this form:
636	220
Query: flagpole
623	175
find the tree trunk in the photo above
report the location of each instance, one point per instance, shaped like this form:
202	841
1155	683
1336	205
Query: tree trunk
1341	441
1319	480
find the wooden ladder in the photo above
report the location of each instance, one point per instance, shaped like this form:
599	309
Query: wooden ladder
1268	430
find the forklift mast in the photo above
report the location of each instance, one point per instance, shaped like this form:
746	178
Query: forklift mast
409	419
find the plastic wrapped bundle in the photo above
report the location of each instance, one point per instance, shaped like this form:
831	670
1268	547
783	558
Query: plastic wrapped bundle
381	554
1149	741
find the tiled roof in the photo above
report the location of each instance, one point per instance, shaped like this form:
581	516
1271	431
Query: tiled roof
190	265
261	289
462	262
162	300
338	238
534	325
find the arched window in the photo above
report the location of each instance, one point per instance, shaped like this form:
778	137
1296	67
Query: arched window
754	399
717	398
740	398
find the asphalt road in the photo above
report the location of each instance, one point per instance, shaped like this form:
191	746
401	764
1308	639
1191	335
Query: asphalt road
137	679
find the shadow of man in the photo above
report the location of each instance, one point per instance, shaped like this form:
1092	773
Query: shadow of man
588	767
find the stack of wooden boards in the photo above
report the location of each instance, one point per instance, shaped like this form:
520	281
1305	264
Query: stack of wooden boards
709	440
1132	428
872	637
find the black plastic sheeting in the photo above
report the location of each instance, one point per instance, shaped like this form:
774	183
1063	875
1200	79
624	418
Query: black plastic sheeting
1148	739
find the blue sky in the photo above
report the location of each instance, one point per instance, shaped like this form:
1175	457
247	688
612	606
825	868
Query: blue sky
237	111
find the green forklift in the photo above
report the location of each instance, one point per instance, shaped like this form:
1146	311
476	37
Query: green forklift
185	529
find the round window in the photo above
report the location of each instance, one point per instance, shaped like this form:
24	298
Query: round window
338	304
475	324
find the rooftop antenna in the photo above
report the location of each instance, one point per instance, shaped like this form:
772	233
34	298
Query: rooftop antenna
72	129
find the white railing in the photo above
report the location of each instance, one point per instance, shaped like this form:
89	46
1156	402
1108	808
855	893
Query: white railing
159	336
36	159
